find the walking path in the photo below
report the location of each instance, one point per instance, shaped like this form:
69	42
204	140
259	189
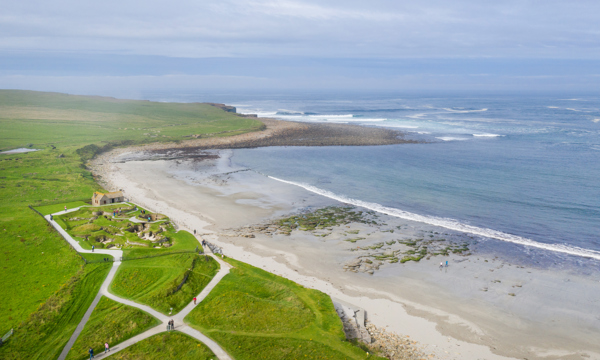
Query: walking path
177	318
136	220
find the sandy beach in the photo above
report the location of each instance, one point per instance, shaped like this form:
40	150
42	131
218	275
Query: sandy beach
478	307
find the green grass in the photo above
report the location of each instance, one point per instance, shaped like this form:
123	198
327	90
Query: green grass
254	314
51	209
166	346
151	281
181	240
46	331
42	119
110	322
35	260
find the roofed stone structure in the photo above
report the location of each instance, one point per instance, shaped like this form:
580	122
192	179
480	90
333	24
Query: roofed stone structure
99	198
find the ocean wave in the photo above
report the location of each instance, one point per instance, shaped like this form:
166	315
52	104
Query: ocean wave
261	113
402	126
289	112
449	223
596	120
377	110
343	118
450	138
331	116
487	135
461	111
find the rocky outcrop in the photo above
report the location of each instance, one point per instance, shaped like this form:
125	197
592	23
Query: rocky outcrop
364	265
227	108
394	346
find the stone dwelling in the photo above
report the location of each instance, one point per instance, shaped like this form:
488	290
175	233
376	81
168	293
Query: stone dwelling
109	198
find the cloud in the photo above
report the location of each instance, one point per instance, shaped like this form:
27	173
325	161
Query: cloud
303	10
328	28
379	44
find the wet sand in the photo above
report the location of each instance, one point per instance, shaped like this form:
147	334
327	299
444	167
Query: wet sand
479	307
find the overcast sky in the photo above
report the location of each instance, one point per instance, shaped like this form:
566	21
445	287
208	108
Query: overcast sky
84	46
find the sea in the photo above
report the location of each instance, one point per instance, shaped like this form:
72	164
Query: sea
518	173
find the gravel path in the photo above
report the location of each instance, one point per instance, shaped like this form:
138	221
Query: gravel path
178	318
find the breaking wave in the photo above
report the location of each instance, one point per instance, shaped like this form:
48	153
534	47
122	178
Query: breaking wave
450	138
464	111
449	223
487	135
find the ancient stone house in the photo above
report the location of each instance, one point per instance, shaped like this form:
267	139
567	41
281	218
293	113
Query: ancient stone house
108	198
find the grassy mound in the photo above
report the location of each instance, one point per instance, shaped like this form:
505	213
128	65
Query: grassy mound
99	227
154	281
110	322
166	346
254	314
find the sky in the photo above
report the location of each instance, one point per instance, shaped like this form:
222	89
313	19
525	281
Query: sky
127	48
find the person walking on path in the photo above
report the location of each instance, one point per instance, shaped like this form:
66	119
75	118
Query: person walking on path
194	300
91	351
65	207
446	263
106	347
92	248
441	265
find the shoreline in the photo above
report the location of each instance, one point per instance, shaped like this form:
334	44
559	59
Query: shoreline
280	133
211	196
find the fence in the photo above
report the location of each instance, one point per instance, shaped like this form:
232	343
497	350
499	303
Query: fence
61	235
127	258
6	336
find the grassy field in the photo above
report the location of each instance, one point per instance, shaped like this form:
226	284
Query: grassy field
254	314
36	261
46	331
152	281
181	240
110	322
166	346
43	119
51	209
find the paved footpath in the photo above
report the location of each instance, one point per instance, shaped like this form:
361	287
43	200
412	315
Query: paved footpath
180	325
